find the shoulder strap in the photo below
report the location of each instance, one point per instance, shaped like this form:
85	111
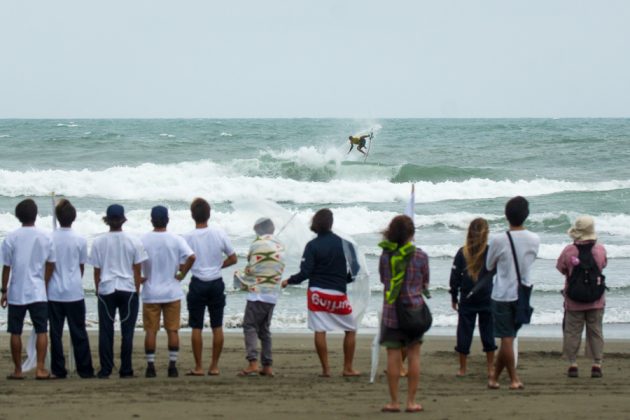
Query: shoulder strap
518	273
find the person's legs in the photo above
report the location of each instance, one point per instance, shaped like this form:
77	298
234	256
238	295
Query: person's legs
15	322
349	344
56	317
38	312
394	360
572	336
487	338
505	359
250	328
75	312
106	316
503	314
128	310
172	314
197	346
196	302
413	376
465	328
216	306
151	321
595	337
264	334
322	352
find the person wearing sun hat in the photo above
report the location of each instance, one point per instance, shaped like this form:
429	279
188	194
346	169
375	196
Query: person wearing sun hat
579	314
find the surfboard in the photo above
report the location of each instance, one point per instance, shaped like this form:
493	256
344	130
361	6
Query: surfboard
367	153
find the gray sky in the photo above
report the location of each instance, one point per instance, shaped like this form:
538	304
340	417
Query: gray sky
319	58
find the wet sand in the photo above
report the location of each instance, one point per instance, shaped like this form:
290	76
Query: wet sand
297	392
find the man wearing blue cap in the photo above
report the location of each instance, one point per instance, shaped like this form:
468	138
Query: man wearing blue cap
116	257
169	260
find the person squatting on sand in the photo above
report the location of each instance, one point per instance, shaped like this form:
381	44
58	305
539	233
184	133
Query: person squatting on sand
66	297
406	282
468	272
586	253
207	290
28	255
324	265
261	278
169	260
116	258
505	289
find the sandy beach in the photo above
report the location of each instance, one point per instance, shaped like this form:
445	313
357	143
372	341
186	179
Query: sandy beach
297	392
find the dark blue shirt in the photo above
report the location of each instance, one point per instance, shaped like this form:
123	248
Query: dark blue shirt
461	283
323	264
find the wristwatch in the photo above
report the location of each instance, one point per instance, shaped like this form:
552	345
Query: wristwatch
3	290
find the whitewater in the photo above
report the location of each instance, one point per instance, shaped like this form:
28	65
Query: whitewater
461	169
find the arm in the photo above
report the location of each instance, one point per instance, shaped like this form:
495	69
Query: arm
351	146
48	271
231	260
306	266
6	271
455	281
425	277
82	268
185	268
492	257
97	278
137	276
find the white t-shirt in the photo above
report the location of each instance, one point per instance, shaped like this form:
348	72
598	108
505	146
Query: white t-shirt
526	244
166	252
71	250
209	245
115	253
26	250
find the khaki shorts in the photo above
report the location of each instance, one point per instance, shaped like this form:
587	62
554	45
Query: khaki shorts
151	316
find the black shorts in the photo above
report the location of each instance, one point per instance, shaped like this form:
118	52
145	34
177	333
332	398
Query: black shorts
38	312
361	143
202	294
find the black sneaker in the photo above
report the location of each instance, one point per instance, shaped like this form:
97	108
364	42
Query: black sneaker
102	375
173	372
150	372
126	375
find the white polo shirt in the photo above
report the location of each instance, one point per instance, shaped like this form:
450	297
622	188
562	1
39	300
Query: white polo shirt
26	250
166	252
209	245
66	284
526	243
115	253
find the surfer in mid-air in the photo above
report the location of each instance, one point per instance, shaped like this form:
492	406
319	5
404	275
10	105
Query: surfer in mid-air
360	141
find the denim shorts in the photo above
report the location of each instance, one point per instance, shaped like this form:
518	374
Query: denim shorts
38	312
202	295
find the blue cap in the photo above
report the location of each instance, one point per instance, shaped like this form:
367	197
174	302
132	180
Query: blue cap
115	211
159	213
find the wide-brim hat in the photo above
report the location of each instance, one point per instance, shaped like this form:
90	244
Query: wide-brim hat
583	229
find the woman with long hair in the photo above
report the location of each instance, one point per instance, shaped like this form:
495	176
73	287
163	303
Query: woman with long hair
404	272
468	275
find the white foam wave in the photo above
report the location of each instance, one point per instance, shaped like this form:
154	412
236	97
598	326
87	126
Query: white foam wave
221	183
170	136
70	124
226	134
309	156
4	136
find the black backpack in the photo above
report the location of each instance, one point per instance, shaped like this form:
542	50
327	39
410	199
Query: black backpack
586	283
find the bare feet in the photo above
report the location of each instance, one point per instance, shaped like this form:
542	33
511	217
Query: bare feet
267	371
413	408
461	373
492	384
517	385
350	373
325	374
391	408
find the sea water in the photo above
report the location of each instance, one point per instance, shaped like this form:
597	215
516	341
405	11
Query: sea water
461	168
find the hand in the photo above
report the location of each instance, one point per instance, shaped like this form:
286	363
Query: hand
180	276
454	305
284	283
3	301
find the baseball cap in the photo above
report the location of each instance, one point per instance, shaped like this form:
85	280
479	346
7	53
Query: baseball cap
115	211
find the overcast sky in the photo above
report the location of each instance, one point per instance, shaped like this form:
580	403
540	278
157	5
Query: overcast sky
319	58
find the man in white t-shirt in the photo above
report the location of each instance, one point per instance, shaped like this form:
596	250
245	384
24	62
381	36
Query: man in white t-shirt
65	295
116	257
505	288
169	260
207	290
29	261
261	278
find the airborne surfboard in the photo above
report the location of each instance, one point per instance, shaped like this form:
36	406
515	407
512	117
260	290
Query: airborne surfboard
367	153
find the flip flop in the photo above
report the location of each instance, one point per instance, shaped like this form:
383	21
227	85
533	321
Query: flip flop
493	386
13	377
244	373
193	373
213	373
390	410
45	378
271	375
415	409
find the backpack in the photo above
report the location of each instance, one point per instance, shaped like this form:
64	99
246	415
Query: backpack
586	283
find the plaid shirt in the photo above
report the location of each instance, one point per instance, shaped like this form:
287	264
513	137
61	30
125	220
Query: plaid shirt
416	280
